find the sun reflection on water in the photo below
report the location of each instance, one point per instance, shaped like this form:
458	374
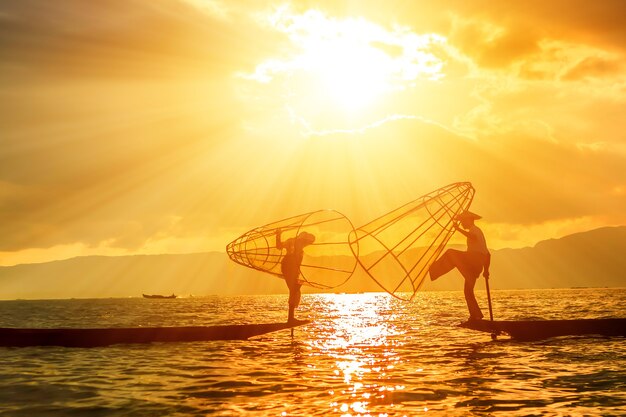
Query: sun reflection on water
363	341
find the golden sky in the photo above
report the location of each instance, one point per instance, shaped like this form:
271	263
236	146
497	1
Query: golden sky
173	126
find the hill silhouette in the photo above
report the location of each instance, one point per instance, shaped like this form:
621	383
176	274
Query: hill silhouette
588	259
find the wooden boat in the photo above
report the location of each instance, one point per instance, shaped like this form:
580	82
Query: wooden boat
544	329
110	336
159	296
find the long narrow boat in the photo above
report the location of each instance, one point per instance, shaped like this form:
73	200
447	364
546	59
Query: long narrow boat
544	329
110	336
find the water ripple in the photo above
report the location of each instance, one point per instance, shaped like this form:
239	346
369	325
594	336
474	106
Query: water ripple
363	355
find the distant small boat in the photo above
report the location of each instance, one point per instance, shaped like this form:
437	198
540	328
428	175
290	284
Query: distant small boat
159	296
544	329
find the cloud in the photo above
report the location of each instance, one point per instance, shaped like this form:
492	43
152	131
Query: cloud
110	162
490	45
334	70
596	23
123	38
594	67
520	179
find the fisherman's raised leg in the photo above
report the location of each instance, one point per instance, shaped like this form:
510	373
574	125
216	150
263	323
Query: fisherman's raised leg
446	263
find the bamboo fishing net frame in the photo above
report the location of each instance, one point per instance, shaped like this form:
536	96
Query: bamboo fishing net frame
450	201
257	249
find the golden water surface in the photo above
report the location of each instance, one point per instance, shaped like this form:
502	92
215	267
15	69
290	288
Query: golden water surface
363	355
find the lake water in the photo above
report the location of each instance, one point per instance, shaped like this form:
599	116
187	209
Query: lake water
363	355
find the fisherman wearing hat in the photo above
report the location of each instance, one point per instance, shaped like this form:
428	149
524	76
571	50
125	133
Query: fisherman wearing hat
471	263
290	266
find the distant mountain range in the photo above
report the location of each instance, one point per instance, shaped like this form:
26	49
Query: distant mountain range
596	258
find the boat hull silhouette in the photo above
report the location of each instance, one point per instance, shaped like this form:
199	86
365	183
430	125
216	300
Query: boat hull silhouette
159	296
94	337
543	329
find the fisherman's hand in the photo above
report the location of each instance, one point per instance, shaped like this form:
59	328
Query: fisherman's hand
486	274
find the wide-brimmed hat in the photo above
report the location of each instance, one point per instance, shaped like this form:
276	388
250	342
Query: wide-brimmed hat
467	215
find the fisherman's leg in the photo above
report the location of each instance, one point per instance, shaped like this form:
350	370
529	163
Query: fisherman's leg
290	274
294	298
470	298
297	294
446	263
292	303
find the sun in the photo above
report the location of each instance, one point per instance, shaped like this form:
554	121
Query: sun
350	71
333	67
351	74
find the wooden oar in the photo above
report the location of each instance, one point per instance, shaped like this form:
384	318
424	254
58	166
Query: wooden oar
493	335
489	299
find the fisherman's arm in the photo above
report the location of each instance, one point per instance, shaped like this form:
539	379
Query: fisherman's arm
463	231
279	243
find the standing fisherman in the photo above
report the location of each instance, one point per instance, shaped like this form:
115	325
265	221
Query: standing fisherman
471	263
290	266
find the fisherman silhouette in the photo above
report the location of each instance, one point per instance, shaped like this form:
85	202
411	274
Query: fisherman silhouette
471	263
290	266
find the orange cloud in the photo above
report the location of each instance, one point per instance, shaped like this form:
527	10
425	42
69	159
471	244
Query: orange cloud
121	39
491	45
594	67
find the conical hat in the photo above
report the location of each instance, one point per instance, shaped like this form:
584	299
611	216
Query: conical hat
468	215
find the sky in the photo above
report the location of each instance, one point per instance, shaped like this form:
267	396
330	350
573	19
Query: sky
174	126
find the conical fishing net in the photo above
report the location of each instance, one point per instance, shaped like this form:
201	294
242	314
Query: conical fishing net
397	249
327	262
